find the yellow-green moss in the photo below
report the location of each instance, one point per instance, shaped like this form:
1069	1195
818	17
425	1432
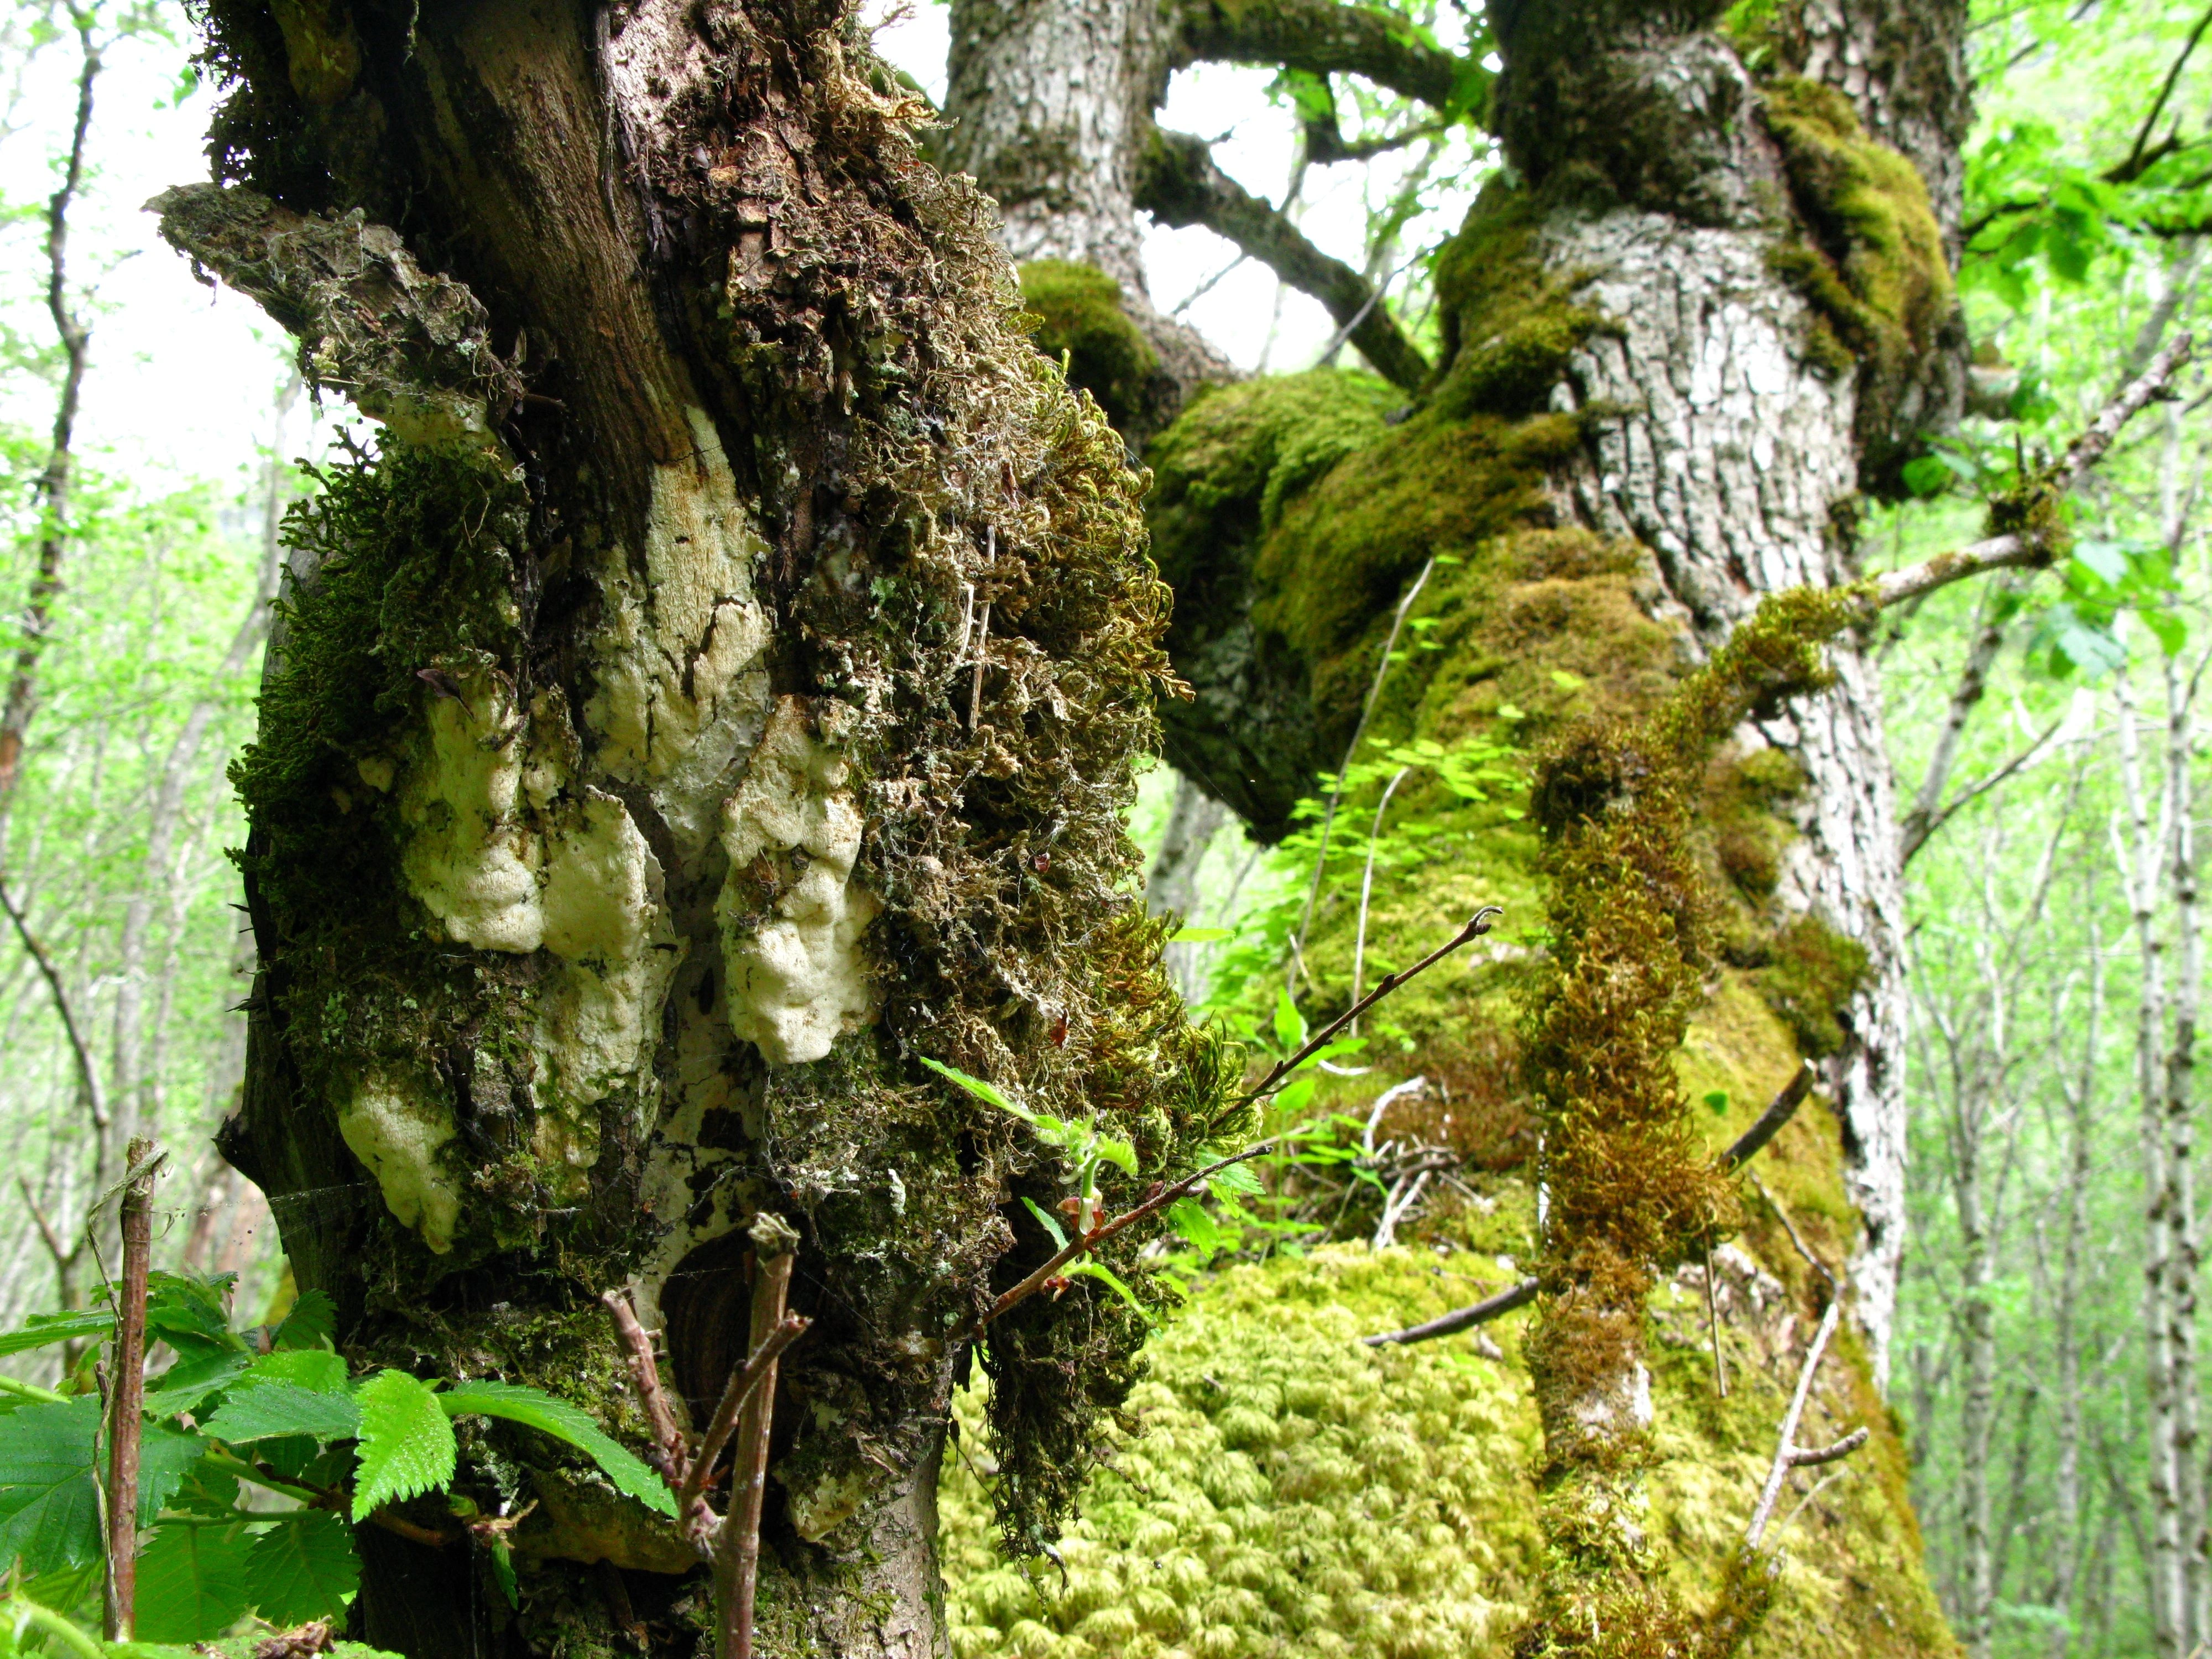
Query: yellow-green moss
1511	322
1294	1494
1080	321
1874	265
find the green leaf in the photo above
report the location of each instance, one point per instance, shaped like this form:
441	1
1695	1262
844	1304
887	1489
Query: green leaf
1200	935
49	1506
41	1330
1195	1225
313	1323
988	1093
2106	561
406	1442
189	1313
302	1569
316	1370
1118	1153
1927	476
1506	711
535	1409
166	1456
264	1410
192	1379
2171	632
1237	1178
1046	1220
191	1583
1294	1098
1290	1023
1106	1277
1567	681
502	1571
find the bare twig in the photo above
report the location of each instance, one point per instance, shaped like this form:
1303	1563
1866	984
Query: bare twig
668	1453
736	1546
88	1074
1351	754
46	1233
1461	1319
2035	549
1974	791
1973	683
1713	1328
1784	1107
1163	1195
126	1398
1788	1455
1367	885
744	1382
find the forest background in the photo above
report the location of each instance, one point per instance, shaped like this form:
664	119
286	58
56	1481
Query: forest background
2036	724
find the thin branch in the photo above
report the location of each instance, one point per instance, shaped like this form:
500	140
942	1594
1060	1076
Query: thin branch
668	1453
737	1546
88	1074
2138	162
1975	791
2035	549
1782	1109
1803	1458
1367	885
1973	682
1351	753
1461	1319
1786	1449
127	1394
743	1383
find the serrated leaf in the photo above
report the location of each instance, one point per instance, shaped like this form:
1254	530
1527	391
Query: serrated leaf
188	1313
1106	1277
1237	1178
265	1409
192	1379
41	1330
990	1093
313	1323
191	1581
535	1409
502	1571
406	1442
1195	1225
49	1506
1200	935
166	1456
303	1569
1118	1153
1051	1226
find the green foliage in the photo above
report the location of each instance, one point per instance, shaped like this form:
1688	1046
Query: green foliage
302	1569
407	1445
192	1581
49	1501
534	1408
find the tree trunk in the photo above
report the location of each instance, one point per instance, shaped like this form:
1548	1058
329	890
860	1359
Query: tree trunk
1670	369
722	687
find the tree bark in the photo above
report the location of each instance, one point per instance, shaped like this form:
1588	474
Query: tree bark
639	789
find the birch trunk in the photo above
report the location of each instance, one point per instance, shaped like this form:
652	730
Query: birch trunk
722	687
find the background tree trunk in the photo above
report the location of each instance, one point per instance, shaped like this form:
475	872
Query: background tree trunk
625	815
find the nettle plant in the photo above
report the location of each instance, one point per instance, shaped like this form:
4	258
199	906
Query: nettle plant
259	1453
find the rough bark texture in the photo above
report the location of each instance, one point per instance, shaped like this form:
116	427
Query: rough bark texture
1052	105
625	816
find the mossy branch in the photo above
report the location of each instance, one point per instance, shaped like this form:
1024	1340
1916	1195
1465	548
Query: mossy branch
1179	184
1323	37
2032	534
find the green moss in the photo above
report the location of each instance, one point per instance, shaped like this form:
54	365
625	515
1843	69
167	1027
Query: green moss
1291	1492
1510	321
1080	319
1873	264
1811	975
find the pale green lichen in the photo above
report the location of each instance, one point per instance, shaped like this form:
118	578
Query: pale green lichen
400	1135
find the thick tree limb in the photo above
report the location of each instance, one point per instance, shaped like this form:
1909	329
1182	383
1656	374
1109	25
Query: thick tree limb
1323	37
2034	550
1178	184
411	348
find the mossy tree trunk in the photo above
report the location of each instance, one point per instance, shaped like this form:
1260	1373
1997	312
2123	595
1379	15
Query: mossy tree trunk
720	687
1705	317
